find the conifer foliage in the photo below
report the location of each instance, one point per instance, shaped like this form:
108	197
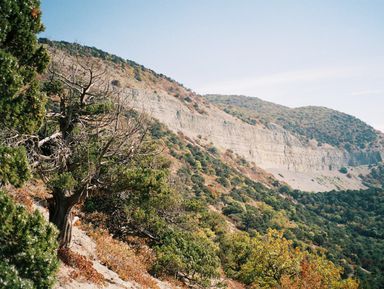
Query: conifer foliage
27	248
22	105
27	243
21	58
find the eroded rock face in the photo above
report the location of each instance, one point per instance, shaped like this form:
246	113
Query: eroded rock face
269	147
310	167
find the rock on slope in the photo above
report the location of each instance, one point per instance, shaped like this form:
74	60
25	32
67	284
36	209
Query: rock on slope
300	162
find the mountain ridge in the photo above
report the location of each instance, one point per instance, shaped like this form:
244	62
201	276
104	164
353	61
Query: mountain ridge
291	158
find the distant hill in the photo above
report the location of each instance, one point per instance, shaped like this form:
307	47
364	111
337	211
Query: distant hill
322	124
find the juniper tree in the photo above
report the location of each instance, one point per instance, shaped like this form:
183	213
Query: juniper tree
88	131
22	104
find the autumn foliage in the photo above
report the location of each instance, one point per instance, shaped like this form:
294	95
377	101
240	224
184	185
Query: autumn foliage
83	268
271	261
120	258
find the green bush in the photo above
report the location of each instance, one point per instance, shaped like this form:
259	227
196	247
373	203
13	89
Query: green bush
99	108
27	248
213	150
22	105
343	170
14	168
223	181
186	254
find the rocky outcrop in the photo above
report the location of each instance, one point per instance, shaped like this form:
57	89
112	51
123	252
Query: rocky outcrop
269	147
303	164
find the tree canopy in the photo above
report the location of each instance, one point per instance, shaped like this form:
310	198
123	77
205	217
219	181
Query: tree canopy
27	248
22	104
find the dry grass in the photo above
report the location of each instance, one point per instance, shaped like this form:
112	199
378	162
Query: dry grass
97	219
22	196
83	267
120	258
33	191
232	284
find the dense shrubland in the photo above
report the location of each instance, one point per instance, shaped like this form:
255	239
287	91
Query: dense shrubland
350	231
270	261
142	203
352	226
189	238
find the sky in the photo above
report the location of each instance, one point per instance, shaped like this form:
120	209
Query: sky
296	53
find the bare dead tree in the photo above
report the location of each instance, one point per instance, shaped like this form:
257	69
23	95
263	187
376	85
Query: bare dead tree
88	128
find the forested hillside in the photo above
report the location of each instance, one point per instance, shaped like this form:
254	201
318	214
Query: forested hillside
347	224
157	204
319	123
228	192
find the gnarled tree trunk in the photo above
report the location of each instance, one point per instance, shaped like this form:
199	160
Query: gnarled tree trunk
60	214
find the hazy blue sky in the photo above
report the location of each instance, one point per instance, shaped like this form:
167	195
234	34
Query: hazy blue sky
308	52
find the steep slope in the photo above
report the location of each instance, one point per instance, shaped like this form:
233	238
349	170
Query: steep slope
95	272
231	193
345	226
290	157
